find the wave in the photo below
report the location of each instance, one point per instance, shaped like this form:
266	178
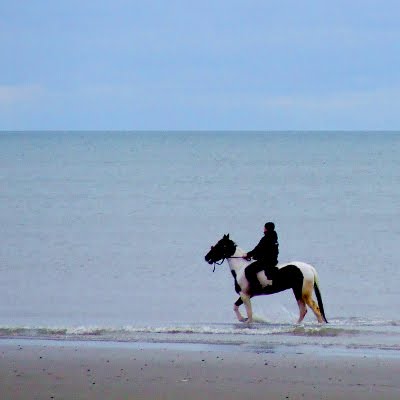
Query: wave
351	327
95	331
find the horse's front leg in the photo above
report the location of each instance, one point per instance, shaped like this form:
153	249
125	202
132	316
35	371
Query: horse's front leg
247	303
236	306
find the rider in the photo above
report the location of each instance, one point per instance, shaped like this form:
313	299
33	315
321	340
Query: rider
266	256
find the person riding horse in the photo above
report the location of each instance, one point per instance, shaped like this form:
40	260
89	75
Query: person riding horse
266	252
299	276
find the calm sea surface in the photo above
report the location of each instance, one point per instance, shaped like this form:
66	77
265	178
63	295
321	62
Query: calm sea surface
103	235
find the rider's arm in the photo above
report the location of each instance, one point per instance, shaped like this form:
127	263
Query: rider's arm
256	251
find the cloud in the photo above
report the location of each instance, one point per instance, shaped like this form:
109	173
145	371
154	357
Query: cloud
17	94
346	100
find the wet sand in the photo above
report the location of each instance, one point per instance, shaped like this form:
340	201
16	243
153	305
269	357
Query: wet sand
57	370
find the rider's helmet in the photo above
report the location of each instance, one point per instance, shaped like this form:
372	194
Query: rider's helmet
270	226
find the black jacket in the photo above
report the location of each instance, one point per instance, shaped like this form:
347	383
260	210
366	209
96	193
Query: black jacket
267	249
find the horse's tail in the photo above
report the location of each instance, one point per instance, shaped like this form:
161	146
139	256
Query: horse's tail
318	294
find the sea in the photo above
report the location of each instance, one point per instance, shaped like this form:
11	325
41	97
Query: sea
103	235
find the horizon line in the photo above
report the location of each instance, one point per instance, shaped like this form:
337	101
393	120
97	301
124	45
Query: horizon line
292	131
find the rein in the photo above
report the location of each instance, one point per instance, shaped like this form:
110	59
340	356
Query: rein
221	262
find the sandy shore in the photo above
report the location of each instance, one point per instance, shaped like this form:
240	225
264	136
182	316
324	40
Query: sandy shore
57	370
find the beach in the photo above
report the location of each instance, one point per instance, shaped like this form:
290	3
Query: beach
49	369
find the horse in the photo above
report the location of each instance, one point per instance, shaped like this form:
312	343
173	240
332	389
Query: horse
302	278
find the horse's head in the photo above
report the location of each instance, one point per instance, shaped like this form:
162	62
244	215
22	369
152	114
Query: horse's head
224	248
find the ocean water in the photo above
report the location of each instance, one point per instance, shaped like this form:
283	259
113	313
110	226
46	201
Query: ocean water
103	234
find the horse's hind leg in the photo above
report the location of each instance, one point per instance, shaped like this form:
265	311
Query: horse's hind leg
314	306
297	291
306	296
302	310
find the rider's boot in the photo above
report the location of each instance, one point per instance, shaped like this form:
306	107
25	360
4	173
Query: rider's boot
262	278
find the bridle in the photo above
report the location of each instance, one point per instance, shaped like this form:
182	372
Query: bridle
225	257
218	263
222	260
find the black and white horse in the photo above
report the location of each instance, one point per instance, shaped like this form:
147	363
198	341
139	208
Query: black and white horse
302	278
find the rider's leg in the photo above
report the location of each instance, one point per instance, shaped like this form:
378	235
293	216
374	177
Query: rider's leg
263	279
266	276
251	272
256	275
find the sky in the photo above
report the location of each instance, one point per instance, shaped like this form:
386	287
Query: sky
199	65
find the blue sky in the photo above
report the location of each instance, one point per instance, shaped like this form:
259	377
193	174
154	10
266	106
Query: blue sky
177	65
